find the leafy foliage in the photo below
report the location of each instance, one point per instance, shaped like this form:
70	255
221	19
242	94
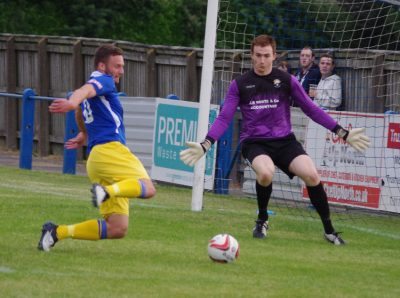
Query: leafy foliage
177	22
288	21
317	23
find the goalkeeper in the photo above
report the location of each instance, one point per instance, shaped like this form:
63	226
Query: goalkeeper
264	95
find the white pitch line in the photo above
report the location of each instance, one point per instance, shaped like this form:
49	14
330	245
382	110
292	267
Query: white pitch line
374	232
4	269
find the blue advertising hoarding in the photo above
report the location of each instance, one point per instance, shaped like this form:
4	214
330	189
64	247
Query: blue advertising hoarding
175	124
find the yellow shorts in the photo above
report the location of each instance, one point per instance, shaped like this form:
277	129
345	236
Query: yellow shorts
110	163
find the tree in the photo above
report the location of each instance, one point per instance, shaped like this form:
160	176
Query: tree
286	20
175	22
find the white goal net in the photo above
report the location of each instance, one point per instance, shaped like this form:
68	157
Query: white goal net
363	36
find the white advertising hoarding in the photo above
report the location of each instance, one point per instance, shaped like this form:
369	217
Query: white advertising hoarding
369	179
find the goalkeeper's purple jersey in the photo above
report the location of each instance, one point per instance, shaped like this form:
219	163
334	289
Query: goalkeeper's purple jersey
265	105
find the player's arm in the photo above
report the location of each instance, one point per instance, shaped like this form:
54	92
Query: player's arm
81	137
65	105
355	137
196	150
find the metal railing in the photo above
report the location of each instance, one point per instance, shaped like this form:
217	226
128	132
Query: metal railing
27	131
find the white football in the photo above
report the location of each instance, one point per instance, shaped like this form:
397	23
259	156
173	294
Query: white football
223	248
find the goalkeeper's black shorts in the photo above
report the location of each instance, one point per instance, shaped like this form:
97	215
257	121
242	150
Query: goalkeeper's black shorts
282	151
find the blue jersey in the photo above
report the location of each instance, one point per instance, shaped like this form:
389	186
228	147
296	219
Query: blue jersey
103	113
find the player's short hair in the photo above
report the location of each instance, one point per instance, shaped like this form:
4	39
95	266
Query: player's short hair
328	55
263	41
104	52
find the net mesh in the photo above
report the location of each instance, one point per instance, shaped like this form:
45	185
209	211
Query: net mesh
363	36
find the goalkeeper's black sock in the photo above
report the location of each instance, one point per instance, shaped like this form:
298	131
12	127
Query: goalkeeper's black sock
263	196
319	200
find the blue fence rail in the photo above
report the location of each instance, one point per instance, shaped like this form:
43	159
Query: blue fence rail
224	161
27	131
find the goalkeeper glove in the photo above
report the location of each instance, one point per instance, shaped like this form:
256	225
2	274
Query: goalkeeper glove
195	151
355	137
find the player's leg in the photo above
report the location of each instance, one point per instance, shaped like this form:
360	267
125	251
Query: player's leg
116	172
127	188
115	212
94	229
99	170
263	166
120	175
264	169
113	227
117	226
303	167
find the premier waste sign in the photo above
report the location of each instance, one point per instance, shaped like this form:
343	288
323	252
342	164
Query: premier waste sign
175	124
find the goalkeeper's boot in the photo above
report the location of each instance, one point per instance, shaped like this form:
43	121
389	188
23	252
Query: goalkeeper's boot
49	236
260	229
334	238
99	194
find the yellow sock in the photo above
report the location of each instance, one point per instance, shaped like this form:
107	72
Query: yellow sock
129	188
88	230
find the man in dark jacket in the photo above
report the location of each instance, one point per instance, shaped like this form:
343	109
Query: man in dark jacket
308	73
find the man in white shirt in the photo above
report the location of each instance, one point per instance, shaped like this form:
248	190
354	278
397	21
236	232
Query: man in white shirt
329	89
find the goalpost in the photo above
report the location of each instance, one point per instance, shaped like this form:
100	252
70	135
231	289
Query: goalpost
205	96
364	37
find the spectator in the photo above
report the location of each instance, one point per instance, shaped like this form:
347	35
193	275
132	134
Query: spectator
308	73
329	89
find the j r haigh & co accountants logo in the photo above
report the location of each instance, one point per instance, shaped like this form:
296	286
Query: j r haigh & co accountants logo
394	136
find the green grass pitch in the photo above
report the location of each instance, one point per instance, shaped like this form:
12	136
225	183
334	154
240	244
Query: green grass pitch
165	251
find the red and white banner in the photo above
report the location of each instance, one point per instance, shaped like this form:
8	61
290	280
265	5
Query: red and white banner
369	179
390	190
393	135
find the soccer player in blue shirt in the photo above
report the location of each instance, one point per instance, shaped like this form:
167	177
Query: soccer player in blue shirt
264	96
115	172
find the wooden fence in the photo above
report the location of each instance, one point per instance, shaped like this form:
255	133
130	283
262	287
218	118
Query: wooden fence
53	66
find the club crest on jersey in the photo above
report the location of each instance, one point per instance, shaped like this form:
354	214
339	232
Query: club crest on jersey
277	83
